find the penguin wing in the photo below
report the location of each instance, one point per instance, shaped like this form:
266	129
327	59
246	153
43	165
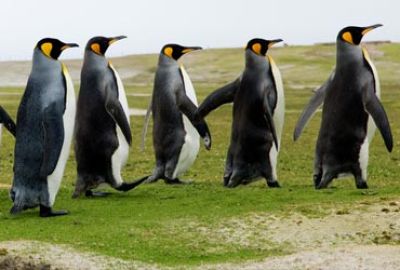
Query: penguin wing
270	121
53	139
115	110
219	97
374	107
7	121
188	108
312	106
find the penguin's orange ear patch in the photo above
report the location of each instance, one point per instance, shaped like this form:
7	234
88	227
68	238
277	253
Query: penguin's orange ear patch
348	37
256	48
96	48
46	48
168	51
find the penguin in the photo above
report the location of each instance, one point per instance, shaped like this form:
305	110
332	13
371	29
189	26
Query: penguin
176	126
351	111
7	121
258	117
103	134
45	123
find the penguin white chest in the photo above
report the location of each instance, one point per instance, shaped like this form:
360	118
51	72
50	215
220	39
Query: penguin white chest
120	156
54	179
191	145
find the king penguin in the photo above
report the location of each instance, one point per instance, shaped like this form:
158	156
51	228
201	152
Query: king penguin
103	134
258	116
177	128
351	111
45	123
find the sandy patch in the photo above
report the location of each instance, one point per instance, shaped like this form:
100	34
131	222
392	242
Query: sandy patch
62	257
348	257
363	237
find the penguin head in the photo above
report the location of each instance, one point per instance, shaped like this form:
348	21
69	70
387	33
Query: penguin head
99	45
52	47
354	34
260	46
175	51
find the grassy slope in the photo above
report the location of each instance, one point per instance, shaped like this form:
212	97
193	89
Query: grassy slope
151	223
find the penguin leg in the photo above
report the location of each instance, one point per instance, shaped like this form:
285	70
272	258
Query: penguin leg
228	167
157	174
48	212
175	181
100	194
268	174
327	178
358	177
317	176
236	179
169	177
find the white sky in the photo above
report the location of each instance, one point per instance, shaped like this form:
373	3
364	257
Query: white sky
149	24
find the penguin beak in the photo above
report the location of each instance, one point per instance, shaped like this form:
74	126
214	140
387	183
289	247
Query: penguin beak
191	49
273	42
69	45
369	28
114	39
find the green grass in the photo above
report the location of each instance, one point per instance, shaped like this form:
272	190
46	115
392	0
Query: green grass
158	223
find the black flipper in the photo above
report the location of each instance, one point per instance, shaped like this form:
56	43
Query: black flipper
219	97
53	139
270	121
114	108
128	186
312	106
187	107
7	121
374	107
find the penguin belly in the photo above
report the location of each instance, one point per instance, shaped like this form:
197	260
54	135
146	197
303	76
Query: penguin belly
191	145
189	150
54	179
120	155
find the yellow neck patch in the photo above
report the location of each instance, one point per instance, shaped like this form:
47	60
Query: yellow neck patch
46	48
96	48
64	70
168	51
256	48
348	37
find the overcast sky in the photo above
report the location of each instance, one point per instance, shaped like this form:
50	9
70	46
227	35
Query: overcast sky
149	24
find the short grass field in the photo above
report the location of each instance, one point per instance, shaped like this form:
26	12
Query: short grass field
157	223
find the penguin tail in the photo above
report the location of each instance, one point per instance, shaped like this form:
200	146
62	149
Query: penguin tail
128	186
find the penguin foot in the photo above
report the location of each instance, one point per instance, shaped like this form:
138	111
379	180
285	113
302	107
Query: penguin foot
273	184
176	181
317	180
48	212
362	185
100	194
232	184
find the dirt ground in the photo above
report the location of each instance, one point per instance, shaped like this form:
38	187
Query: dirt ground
366	237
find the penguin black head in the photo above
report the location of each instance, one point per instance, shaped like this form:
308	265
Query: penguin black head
354	34
175	51
260	46
52	47
99	45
